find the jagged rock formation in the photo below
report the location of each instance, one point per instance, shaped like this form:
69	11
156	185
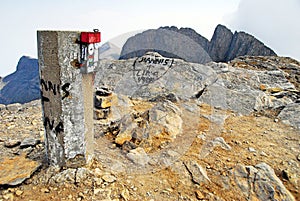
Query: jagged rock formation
22	86
167	43
224	45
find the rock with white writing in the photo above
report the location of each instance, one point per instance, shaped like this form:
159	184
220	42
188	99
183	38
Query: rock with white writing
152	75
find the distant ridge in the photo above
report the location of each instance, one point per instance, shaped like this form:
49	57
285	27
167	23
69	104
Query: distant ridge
223	47
22	86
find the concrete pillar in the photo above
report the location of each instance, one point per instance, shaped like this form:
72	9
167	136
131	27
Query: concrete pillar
67	100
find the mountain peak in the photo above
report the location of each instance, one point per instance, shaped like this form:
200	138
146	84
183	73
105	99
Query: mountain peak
27	63
223	47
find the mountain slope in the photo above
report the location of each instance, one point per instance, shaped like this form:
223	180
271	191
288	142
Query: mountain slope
167	43
223	47
22	86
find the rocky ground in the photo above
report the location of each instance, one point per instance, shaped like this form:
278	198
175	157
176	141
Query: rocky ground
220	131
244	157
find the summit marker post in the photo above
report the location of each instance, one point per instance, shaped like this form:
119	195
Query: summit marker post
66	65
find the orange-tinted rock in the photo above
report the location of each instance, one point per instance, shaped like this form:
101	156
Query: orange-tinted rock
14	171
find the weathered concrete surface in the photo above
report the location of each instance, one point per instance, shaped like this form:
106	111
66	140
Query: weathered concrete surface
66	100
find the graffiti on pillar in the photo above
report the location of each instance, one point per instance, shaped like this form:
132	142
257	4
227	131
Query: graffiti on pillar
150	67
55	89
58	127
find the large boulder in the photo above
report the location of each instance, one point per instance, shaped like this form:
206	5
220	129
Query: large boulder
153	75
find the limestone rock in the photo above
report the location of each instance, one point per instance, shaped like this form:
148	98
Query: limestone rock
125	135
10	143
245	44
290	115
210	145
109	51
18	193
220	43
165	120
14	107
65	176
127	128
240	89
29	142
260	183
109	178
219	141
192	34
2	107
138	156
83	175
198	173
14	171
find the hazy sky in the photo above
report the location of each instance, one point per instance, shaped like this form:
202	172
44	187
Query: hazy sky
274	22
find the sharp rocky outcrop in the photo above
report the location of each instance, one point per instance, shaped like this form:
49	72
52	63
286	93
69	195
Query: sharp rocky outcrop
223	46
167	43
22	86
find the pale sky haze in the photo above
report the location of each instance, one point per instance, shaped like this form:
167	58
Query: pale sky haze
274	22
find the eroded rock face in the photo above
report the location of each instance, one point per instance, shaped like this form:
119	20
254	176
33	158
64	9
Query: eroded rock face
166	42
261	183
173	42
250	84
